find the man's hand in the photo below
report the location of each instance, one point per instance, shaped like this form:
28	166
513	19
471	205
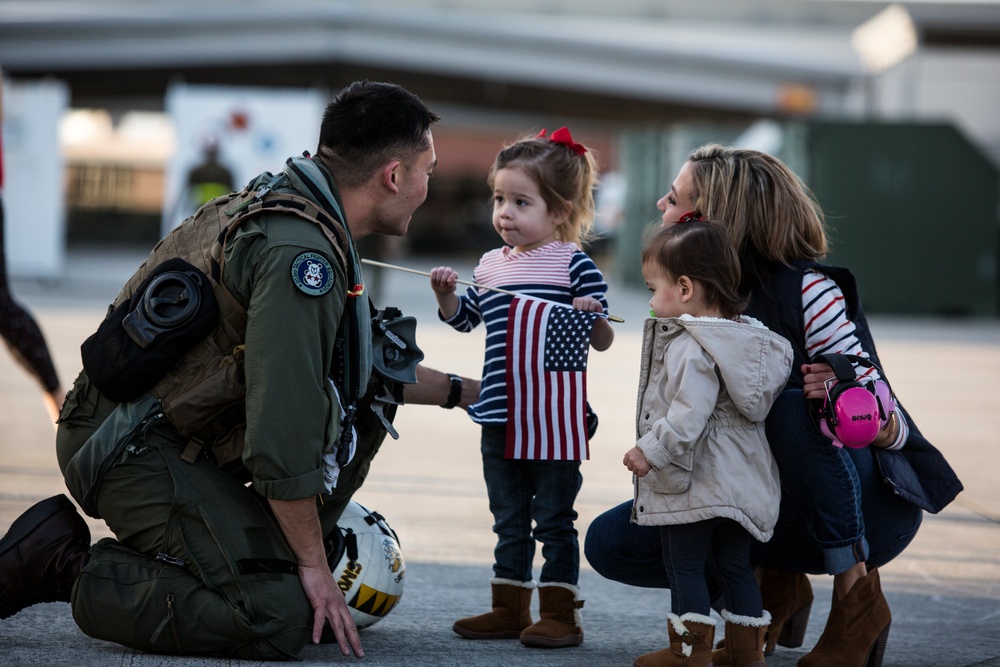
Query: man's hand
299	522
328	604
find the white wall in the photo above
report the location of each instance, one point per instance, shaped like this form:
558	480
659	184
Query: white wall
961	86
34	187
257	130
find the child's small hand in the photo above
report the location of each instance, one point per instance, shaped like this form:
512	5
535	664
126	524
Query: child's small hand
588	303
443	279
636	461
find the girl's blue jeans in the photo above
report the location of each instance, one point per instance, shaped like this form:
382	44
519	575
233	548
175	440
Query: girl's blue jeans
526	492
836	511
720	548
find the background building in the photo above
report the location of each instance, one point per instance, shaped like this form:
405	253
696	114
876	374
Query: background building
822	83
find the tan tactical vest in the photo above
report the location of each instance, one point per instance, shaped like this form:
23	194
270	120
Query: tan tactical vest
203	395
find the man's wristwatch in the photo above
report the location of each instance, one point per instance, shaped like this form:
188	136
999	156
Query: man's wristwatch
455	394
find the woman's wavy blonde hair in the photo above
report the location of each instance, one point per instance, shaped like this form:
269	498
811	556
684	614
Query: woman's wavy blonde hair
769	212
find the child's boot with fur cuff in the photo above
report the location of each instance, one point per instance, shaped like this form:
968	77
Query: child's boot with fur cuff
559	623
745	636
511	612
691	637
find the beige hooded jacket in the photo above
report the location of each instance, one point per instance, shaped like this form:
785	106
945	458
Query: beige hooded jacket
705	387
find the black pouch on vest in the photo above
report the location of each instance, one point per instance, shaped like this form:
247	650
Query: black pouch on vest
144	337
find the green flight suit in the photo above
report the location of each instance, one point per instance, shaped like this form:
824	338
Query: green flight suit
200	565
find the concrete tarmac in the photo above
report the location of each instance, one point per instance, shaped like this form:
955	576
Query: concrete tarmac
944	590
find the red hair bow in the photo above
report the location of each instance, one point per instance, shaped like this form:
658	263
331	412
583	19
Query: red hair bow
562	136
689	216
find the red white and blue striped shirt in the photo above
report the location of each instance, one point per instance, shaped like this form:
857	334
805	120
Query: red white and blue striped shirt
557	271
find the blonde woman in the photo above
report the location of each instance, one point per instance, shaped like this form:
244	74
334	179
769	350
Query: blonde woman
844	512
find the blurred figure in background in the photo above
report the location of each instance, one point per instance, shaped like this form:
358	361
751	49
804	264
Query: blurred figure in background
209	178
19	330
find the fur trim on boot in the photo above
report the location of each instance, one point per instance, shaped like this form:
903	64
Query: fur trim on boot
691	637
511	612
789	597
559	623
744	645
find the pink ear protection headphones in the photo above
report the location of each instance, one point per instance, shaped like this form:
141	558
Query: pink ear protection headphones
854	410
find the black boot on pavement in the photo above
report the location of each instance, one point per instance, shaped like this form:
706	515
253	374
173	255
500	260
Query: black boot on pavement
42	555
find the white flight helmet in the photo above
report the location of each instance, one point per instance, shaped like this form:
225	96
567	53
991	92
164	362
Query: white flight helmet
365	559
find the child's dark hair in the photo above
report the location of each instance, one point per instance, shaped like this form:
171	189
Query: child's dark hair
564	178
702	251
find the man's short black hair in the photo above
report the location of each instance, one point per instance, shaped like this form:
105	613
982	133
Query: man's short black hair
369	123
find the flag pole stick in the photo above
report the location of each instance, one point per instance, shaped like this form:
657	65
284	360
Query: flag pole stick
384	265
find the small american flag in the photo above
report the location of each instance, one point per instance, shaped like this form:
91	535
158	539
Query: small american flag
547	347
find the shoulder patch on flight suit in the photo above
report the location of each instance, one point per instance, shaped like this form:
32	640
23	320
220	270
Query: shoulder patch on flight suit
312	274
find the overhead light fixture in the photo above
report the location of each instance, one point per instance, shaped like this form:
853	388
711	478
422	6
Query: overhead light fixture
886	39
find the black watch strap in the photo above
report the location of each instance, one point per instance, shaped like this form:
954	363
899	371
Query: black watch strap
455	394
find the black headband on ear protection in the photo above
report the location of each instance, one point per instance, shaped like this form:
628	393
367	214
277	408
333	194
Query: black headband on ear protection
843	366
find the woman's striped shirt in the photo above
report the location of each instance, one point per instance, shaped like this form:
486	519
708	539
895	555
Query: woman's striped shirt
829	331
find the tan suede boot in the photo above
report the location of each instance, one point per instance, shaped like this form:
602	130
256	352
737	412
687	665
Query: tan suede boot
744	645
691	637
511	612
856	630
559	608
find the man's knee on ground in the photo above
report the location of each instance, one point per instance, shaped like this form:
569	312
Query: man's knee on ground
153	606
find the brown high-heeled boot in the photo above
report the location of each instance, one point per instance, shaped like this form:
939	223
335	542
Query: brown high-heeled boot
857	629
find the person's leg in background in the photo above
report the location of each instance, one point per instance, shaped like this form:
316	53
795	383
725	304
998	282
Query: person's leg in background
24	338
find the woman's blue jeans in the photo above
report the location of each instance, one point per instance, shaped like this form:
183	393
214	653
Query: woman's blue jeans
522	492
836	511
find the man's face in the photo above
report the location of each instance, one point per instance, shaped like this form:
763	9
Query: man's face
412	179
